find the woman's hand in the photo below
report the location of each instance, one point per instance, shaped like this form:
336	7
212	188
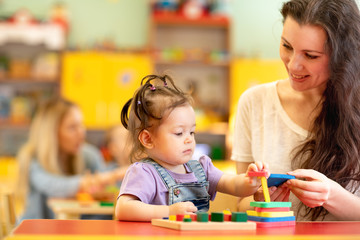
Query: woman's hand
314	190
277	194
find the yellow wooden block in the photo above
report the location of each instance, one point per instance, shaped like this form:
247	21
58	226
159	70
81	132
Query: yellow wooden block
227	212
172	218
265	189
269	214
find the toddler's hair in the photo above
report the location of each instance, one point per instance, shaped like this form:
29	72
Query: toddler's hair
156	97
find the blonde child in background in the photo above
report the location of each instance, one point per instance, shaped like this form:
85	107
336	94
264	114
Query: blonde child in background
116	152
164	180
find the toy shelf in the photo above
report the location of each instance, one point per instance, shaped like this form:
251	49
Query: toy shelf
205	21
196	53
30	69
51	35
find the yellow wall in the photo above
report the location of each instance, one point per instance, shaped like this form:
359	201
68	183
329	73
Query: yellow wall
100	83
249	72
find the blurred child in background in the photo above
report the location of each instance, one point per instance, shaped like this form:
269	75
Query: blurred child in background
116	150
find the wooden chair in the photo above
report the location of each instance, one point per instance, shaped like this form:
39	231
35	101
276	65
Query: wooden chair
7	212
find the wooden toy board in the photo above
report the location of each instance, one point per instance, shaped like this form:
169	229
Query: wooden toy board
179	225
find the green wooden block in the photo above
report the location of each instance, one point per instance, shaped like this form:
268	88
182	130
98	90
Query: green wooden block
187	220
217	217
202	217
106	204
270	204
239	217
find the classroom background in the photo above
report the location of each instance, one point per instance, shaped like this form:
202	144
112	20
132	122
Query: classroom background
95	52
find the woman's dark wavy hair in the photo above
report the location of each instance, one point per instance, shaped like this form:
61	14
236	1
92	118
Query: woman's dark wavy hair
156	97
333	144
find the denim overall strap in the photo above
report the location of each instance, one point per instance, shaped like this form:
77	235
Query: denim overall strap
196	192
197	169
165	176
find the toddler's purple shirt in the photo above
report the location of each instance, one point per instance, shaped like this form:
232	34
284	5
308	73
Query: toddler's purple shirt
143	181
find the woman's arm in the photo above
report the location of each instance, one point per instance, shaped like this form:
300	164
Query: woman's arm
130	208
318	190
51	184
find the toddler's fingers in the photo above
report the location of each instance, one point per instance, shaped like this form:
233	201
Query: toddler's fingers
253	167
191	207
262	166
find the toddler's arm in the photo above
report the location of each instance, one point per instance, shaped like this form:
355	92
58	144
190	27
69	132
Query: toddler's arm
242	185
130	208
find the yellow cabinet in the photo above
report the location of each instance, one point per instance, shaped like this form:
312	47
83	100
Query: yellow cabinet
246	73
100	83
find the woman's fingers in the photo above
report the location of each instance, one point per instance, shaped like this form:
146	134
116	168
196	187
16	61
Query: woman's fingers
308	174
314	191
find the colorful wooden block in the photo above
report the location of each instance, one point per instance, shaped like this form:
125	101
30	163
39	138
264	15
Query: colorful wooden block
270	214
202	217
204	225
257	174
270	204
193	217
278	179
187	219
227	217
278	209
239	217
265	189
179	217
217	217
226	212
271	219
275	224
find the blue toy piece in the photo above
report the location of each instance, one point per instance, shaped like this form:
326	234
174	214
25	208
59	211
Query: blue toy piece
278	179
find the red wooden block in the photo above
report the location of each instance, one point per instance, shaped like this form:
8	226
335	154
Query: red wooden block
278	209
275	224
257	174
193	217
179	217
227	217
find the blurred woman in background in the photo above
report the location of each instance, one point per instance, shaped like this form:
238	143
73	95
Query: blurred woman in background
55	161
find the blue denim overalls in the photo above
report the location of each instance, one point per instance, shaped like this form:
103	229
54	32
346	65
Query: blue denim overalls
196	192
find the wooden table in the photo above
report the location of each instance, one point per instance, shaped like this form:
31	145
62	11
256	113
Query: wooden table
72	208
42	229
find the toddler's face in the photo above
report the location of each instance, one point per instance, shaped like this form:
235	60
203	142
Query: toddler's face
174	139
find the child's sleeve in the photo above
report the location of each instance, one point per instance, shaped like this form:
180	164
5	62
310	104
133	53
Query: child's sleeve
213	175
139	181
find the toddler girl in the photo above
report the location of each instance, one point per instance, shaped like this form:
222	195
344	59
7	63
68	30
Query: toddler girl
164	180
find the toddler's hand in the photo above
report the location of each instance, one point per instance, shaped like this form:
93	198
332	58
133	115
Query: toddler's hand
182	208
257	167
